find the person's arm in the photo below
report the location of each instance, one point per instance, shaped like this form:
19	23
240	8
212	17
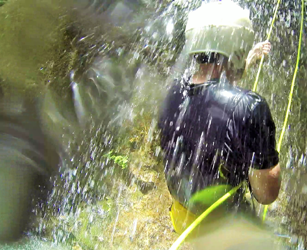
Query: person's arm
265	184
260	146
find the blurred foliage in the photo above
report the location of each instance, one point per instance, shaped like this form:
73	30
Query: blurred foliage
122	161
2	2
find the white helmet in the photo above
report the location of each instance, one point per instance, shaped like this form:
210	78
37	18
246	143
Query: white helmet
221	27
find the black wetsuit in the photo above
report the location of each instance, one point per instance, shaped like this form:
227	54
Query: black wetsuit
206	126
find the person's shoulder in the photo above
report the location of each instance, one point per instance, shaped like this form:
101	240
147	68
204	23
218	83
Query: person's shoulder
249	97
230	95
176	84
173	94
253	96
250	102
175	89
255	100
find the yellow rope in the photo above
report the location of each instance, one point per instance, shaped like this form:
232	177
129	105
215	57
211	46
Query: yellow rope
290	95
262	57
184	235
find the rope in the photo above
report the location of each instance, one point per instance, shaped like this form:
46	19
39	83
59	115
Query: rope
184	235
291	93
262	57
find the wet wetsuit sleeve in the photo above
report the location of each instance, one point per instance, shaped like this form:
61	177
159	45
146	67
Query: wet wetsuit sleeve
260	142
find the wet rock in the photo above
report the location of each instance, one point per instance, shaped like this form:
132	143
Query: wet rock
145	187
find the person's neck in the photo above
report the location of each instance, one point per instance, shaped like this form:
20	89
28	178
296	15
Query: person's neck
206	73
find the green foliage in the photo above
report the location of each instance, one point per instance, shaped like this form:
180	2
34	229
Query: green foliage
2	2
118	159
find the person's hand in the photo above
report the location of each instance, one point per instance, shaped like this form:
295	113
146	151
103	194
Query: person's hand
262	48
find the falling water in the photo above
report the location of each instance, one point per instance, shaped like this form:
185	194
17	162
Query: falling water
107	66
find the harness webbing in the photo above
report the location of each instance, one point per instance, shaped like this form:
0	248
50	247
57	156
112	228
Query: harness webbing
220	201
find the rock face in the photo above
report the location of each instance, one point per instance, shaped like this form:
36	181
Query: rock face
29	30
131	220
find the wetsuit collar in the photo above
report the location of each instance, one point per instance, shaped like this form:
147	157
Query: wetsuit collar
194	89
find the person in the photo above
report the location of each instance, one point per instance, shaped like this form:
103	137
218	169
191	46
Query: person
215	135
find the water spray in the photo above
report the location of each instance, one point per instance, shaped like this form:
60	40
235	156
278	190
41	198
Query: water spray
268	38
184	235
290	95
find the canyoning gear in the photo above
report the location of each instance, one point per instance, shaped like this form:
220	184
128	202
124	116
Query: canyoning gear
208	125
221	27
182	217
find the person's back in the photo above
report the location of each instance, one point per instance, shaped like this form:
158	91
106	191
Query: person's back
207	133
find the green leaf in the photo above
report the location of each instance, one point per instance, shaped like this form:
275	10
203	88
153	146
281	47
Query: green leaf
108	154
210	195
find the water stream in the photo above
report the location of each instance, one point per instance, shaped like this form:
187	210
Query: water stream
102	69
